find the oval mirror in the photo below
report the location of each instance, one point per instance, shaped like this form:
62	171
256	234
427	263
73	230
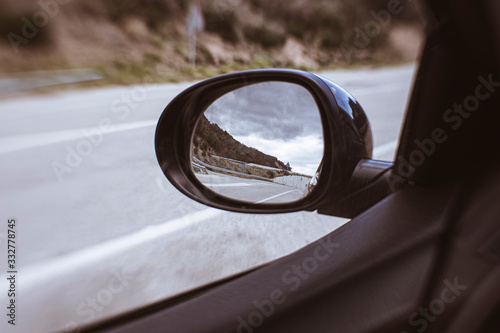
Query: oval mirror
262	143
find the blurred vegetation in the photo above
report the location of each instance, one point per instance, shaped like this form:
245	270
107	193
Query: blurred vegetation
154	12
225	26
265	36
128	40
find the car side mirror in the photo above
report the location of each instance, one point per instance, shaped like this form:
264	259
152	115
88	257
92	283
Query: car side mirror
261	143
267	141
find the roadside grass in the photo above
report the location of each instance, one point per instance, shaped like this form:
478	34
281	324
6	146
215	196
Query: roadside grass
127	73
151	70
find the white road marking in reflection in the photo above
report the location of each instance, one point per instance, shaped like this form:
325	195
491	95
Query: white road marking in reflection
20	142
275	196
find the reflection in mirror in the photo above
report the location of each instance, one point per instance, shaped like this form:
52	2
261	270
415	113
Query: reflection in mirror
262	143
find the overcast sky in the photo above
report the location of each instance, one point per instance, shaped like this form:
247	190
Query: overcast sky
278	118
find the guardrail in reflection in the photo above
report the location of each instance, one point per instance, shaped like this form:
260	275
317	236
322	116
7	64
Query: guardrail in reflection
211	167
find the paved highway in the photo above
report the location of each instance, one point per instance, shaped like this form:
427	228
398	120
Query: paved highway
100	230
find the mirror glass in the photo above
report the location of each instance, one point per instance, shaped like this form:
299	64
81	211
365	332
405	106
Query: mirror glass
262	143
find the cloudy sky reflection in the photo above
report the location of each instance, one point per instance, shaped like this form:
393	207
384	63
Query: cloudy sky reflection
278	118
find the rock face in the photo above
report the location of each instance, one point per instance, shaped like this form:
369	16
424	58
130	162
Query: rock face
295	53
221	53
128	41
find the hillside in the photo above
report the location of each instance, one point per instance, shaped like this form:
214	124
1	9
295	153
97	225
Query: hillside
210	140
148	41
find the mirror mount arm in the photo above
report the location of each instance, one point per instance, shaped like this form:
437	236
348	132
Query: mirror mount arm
370	182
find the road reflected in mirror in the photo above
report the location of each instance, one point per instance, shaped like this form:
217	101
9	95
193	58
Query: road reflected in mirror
262	143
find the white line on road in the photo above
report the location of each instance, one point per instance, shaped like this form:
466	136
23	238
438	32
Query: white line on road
275	196
93	99
36	275
89	256
20	142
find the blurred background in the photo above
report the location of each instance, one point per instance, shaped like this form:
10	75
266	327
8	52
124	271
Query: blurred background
125	41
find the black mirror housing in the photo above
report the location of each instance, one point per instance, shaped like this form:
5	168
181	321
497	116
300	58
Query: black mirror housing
346	132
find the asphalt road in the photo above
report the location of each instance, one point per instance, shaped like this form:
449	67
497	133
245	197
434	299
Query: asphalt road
251	190
100	230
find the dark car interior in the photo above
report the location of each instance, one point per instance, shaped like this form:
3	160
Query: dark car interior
423	259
